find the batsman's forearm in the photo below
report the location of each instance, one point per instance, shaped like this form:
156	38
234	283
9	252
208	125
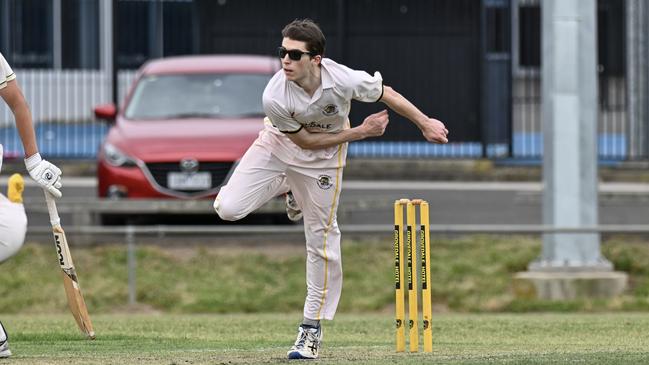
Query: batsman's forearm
26	129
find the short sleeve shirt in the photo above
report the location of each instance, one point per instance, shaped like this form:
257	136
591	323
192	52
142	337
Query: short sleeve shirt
290	108
6	73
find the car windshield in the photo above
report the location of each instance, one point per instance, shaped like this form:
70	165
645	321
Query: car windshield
198	96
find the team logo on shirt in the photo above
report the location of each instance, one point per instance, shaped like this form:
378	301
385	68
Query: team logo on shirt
311	125
324	182
330	110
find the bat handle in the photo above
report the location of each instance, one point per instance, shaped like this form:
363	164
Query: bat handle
55	220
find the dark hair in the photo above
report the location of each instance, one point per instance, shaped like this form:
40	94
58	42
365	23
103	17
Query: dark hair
306	30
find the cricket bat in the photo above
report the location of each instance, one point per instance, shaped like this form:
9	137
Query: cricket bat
70	281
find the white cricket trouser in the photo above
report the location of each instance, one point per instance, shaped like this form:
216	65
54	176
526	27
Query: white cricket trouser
274	165
13	225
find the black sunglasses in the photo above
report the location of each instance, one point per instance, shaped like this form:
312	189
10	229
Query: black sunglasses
294	54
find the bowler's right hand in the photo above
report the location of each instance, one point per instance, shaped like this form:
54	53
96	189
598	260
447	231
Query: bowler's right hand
435	131
46	174
374	125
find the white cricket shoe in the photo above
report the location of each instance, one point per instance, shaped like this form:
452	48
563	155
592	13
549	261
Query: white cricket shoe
4	343
307	343
293	210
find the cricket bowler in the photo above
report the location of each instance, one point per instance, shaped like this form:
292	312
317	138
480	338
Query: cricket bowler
301	152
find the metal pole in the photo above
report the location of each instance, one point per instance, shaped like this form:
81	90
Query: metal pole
87	36
57	46
340	27
637	77
156	28
481	71
569	113
131	264
5	27
115	68
196	28
510	82
106	48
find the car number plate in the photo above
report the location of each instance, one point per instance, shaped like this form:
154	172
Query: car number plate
189	181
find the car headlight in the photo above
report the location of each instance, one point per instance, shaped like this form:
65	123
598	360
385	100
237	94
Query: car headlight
115	157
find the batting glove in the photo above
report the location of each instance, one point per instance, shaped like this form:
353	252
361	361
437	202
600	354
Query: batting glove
45	174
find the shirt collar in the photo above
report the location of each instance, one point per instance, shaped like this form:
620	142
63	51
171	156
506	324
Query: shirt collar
325	77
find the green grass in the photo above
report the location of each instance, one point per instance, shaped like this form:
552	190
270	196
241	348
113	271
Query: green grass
605	338
469	274
239	305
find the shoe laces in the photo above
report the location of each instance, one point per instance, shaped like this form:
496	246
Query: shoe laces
290	201
304	335
301	339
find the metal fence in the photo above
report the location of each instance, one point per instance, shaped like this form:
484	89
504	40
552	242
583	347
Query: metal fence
612	119
62	100
65	96
62	105
613	131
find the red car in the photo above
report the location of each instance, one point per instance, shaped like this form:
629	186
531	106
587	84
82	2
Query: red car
183	126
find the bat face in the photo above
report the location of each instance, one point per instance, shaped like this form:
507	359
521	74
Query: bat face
62	249
70	281
71	284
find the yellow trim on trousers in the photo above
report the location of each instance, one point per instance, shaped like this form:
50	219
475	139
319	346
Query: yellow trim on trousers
329	223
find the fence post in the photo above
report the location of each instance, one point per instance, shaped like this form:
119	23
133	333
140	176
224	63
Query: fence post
131	264
637	52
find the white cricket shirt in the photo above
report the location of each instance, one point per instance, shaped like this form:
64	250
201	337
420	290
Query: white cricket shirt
6	73
290	108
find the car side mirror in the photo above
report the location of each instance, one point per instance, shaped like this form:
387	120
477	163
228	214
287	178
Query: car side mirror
106	112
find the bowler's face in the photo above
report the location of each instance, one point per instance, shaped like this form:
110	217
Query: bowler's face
296	70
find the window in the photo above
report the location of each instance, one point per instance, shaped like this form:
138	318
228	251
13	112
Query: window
610	35
529	28
80	34
28	21
138	27
27	33
202	95
497	24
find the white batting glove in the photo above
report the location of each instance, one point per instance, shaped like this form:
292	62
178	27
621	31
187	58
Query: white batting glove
45	174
